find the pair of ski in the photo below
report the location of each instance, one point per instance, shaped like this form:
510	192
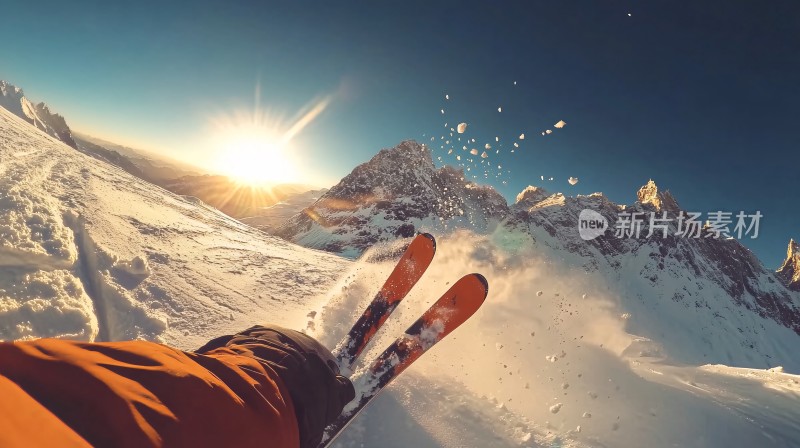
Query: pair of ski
451	310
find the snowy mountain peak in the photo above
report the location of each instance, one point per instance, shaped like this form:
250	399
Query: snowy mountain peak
7	89
13	99
789	272
399	191
649	194
530	196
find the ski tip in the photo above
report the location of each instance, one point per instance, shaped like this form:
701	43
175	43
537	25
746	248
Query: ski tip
430	237
485	283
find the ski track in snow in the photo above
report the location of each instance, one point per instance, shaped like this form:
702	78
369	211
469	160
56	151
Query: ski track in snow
89	252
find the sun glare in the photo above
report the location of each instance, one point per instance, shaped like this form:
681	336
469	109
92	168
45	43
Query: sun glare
255	156
255	147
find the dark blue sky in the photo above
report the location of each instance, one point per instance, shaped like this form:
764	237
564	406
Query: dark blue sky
700	96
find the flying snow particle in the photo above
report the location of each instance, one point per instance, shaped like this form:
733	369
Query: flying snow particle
515	83
629	14
626	316
587	415
462	127
458	157
543	133
549	131
497	139
484	155
560	124
542	177
572	180
499	109
516	145
487	146
450	151
443	114
539	293
522	136
551	179
555	408
474	152
446	96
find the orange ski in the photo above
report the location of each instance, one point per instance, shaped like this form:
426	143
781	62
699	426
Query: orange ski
409	269
451	310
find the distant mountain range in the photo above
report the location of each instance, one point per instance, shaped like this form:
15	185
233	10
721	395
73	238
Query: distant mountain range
670	283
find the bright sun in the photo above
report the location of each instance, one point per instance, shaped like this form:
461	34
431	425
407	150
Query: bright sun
255	147
254	156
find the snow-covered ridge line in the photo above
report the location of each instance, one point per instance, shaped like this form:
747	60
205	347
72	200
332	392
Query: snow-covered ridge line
39	115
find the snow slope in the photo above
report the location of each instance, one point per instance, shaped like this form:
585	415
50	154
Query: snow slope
91	252
88	251
557	369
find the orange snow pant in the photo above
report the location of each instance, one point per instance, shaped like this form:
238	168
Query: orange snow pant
56	393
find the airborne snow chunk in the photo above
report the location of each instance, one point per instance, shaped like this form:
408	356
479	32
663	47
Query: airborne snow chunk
462	127
484	155
572	180
561	124
474	152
